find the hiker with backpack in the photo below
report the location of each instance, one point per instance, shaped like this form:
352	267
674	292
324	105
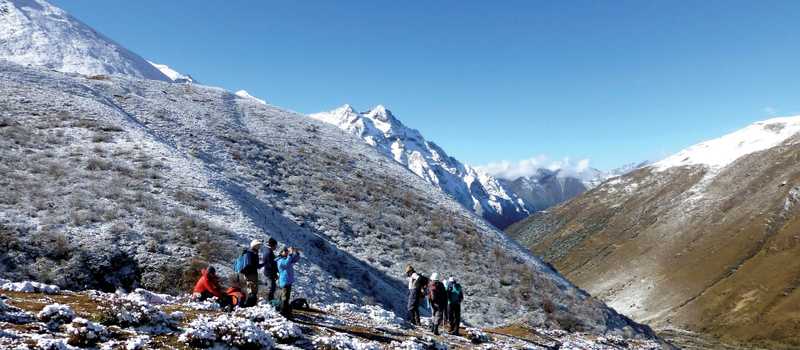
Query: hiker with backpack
285	262
416	285
455	295
271	268
437	296
208	286
247	266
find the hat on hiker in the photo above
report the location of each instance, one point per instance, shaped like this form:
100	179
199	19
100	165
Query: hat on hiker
435	277
451	279
255	244
409	269
272	242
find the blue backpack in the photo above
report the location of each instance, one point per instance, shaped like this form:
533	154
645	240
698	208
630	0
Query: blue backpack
242	262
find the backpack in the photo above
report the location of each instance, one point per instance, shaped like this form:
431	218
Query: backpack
455	294
421	282
242	262
437	294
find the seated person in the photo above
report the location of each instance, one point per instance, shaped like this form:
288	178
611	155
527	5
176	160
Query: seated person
208	286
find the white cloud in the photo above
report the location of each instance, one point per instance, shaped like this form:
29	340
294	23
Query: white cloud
526	167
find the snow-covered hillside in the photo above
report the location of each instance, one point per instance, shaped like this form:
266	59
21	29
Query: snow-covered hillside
681	244
116	181
718	153
482	193
33	32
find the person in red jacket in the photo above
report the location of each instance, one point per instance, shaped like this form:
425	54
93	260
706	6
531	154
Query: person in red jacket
208	286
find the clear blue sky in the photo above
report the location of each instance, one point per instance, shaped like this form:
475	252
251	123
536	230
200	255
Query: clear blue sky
612	81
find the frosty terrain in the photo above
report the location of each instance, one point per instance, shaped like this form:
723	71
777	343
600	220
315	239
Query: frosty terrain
48	318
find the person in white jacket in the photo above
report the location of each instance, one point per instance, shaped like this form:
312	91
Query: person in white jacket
416	284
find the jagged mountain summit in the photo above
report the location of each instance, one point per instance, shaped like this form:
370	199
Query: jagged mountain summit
475	190
704	240
36	33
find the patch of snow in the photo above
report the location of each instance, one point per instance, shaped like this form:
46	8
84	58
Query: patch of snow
370	313
720	152
343	342
244	94
226	330
172	74
56	315
29	287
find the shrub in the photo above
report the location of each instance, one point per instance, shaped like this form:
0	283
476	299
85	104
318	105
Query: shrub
96	164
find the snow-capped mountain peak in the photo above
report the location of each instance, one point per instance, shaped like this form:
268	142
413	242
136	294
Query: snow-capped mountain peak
36	33
475	190
720	152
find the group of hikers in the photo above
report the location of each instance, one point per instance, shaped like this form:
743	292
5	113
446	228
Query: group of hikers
278	272
444	298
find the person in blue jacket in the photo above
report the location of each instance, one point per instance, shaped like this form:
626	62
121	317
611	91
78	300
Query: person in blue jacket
288	257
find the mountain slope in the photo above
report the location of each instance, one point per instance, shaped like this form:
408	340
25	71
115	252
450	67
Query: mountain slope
33	32
704	240
475	190
123	182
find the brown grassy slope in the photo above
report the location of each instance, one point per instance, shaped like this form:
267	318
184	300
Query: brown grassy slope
722	263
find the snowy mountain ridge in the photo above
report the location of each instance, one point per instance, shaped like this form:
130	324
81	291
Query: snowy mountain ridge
720	152
34	32
481	193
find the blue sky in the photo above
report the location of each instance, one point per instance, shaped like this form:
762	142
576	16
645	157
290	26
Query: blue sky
611	81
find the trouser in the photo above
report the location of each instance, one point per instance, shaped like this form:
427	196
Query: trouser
251	282
454	317
286	303
413	307
436	321
273	285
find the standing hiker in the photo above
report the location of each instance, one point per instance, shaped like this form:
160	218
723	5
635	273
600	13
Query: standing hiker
455	295
416	285
285	262
437	296
271	268
247	266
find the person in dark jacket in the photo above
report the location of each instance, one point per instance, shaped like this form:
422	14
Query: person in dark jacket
250	273
271	268
437	296
455	295
288	257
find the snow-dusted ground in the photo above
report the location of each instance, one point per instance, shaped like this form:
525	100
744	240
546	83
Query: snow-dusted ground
99	320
